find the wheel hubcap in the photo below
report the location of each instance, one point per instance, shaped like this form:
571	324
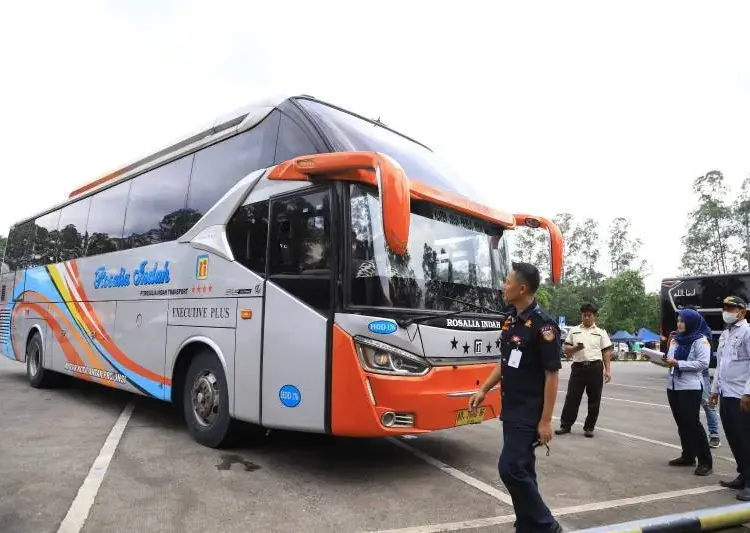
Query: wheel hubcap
205	398
33	356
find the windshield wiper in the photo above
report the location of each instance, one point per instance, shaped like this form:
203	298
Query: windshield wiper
485	309
422	319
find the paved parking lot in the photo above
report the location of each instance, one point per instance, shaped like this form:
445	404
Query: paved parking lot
158	480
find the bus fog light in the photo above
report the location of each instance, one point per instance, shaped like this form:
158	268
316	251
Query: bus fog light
387	419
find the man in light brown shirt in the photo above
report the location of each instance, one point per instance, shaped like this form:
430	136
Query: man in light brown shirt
590	348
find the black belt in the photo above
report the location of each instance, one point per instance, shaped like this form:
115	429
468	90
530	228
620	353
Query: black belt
587	363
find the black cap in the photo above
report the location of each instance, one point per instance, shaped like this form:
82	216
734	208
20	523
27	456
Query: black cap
735	301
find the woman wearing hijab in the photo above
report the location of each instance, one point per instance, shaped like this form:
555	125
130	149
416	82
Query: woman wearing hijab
689	354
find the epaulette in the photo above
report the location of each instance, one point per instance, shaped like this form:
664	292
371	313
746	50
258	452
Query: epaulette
544	315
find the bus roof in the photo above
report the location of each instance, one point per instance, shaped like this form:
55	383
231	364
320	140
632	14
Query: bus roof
225	125
705	276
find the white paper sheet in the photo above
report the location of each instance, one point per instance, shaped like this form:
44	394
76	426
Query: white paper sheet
654	356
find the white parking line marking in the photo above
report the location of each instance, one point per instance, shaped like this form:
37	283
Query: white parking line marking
563	391
477	484
612	383
561	511
79	509
644	439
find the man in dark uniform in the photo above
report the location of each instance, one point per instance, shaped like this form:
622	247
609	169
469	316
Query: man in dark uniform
528	369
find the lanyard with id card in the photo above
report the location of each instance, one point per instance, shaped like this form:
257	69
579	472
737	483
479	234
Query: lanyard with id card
515	358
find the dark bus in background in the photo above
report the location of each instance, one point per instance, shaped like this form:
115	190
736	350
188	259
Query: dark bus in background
705	295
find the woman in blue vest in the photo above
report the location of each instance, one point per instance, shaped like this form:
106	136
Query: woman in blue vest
688	356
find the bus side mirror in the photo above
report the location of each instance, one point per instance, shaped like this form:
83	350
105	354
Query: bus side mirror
364	167
555	242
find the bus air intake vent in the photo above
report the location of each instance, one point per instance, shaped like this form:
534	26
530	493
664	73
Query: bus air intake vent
5	326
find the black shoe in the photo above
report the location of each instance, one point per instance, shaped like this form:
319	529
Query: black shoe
562	431
682	461
704	470
744	494
589	433
736	484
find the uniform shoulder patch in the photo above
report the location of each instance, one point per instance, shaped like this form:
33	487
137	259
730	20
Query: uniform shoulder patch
547	332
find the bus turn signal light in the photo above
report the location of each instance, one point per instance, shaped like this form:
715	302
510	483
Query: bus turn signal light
246	314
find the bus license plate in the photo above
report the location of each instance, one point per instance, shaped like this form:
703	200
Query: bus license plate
464	416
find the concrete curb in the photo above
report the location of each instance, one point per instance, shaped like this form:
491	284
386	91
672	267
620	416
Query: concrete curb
710	519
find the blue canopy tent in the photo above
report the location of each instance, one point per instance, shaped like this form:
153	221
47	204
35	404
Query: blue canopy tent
646	335
623	336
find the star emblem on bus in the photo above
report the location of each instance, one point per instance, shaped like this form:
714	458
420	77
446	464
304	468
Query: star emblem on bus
454	344
497	343
466	347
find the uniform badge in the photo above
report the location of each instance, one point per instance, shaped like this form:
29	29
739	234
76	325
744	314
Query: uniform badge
515	338
548	333
528	323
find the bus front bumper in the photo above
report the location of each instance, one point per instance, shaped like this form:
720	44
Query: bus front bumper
365	404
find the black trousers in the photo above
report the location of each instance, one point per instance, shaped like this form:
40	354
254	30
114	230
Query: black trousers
736	423
517	467
686	405
583	377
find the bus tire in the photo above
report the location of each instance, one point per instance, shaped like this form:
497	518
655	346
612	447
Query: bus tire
39	377
205	401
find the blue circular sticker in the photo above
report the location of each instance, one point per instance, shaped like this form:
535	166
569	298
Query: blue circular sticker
290	396
382	327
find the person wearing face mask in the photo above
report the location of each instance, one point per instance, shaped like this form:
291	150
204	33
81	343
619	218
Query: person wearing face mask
689	354
731	390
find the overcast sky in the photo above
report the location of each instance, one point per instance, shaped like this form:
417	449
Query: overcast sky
600	109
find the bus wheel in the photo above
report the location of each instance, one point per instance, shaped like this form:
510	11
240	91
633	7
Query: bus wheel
206	401
39	377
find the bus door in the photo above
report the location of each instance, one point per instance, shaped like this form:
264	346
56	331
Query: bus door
299	298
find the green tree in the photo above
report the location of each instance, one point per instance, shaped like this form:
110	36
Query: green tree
544	298
707	241
741	227
3	240
626	305
584	252
623	250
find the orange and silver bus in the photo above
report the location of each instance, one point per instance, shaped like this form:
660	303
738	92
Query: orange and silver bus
291	265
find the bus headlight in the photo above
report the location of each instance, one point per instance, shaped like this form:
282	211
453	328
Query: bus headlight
382	358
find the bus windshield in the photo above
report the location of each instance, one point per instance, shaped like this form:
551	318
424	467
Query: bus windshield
450	257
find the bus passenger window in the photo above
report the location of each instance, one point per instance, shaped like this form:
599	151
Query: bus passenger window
106	219
72	237
19	247
293	141
300	251
156	210
247	232
46	239
219	167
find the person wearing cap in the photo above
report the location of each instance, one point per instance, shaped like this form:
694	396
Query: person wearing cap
590	348
731	390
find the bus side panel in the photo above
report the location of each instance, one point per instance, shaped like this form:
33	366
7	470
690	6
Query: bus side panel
21	317
247	359
294	364
141	328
